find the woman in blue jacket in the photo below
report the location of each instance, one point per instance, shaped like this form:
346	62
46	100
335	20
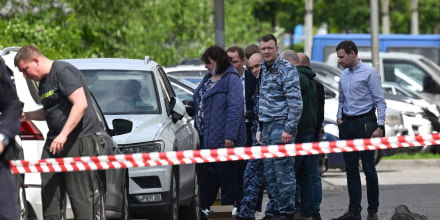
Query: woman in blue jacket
220	123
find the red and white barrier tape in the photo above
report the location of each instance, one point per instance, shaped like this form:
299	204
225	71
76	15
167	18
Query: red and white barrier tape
216	155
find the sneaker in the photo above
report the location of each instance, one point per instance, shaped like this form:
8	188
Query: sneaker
316	216
372	216
205	212
349	216
235	212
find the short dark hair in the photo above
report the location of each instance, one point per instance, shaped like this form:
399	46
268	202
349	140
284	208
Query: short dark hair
237	49
250	50
347	46
219	55
26	54
268	37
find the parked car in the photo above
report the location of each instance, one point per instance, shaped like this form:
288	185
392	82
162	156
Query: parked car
412	71
32	138
139	90
191	72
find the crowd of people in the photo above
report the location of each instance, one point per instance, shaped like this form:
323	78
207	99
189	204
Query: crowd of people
259	96
255	96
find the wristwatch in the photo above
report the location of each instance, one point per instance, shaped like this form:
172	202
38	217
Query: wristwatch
381	127
4	139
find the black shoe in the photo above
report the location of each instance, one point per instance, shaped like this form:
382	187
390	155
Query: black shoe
316	216
372	216
349	216
268	217
283	217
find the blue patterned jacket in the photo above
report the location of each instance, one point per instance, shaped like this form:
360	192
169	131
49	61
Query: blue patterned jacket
223	111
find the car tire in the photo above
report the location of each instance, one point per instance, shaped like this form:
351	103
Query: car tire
172	211
125	214
21	194
173	208
192	211
99	198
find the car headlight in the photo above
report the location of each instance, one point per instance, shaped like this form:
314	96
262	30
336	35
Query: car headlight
147	147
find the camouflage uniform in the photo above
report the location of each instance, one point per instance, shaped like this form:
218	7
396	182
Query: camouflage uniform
253	178
280	109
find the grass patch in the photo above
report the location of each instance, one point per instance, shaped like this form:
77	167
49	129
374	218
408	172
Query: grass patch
411	156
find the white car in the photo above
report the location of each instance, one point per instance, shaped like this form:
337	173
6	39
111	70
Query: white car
139	90
191	72
412	71
32	138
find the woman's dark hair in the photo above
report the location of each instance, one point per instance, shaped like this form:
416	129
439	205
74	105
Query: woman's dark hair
347	46
219	55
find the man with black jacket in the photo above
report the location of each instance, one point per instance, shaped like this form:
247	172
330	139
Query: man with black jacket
9	127
249	82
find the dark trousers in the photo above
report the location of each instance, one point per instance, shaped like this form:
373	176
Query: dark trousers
214	176
306	170
78	185
8	196
353	129
240	168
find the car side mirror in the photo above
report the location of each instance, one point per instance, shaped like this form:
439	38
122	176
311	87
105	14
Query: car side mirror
178	109
189	106
121	126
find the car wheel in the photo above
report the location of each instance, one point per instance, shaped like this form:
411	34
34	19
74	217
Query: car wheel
173	208
125	215
21	193
194	208
99	198
172	212
192	212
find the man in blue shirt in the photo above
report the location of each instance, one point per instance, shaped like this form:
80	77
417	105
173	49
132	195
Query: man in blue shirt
360	94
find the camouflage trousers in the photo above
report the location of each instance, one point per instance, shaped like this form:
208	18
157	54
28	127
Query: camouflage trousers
279	172
253	189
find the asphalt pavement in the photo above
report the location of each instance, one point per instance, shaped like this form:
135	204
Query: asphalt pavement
415	183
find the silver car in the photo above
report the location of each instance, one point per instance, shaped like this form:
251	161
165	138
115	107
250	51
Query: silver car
139	91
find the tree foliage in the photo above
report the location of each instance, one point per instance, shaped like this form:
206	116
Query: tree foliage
172	30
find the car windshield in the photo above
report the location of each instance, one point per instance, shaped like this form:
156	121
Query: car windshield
123	91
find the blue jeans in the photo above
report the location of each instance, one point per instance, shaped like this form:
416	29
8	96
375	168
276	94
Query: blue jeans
352	129
279	172
307	172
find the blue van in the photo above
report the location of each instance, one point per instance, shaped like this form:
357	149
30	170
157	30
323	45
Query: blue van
427	45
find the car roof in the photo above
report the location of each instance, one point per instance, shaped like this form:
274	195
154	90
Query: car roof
184	68
113	63
365	55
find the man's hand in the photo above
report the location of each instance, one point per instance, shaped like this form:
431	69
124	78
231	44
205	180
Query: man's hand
339	121
286	138
378	133
2	148
229	143
58	144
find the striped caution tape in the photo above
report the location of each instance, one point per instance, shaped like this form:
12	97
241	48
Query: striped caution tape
69	164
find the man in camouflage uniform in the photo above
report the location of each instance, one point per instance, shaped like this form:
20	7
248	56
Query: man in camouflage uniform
279	111
253	178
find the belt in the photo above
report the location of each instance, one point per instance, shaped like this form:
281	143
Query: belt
356	117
